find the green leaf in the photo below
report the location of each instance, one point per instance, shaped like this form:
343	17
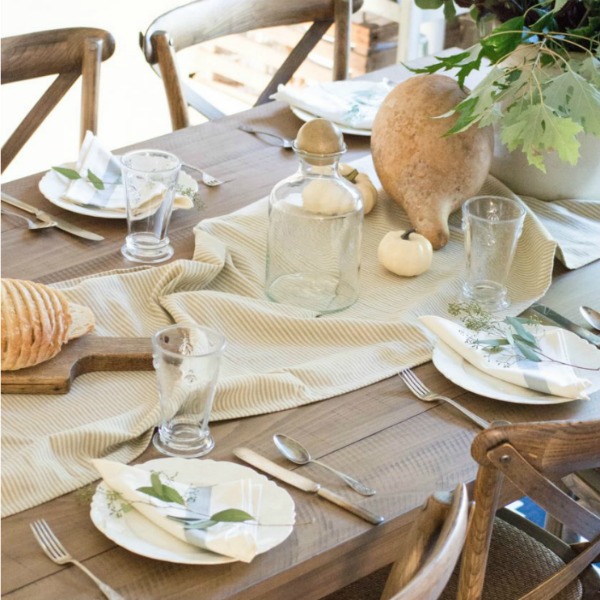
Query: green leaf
588	68
427	4
69	173
558	4
495	342
520	330
157	485
172	495
503	40
527	352
449	10
536	129
572	95
95	180
233	515
466	118
149	491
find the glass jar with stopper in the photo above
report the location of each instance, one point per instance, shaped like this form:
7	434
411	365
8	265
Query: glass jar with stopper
315	227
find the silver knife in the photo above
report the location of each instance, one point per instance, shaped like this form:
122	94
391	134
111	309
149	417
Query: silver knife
304	483
60	223
556	319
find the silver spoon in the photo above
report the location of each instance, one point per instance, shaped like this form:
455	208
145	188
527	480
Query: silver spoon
30	224
297	453
285	142
591	316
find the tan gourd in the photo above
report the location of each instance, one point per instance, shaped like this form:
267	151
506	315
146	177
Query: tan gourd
36	320
429	174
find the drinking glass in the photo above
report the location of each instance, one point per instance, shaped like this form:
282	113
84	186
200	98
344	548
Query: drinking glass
492	226
186	360
150	178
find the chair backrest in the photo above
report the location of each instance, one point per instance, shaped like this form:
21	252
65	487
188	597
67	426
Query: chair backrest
433	548
205	20
534	457
68	53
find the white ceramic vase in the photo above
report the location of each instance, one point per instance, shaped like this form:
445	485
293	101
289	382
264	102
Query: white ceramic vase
560	181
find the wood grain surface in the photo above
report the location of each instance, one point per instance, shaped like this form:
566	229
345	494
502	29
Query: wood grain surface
403	447
82	355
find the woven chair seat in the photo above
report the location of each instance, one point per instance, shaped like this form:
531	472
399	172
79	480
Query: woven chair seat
517	563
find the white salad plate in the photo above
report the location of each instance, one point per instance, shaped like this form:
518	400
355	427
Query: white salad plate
53	186
136	533
458	370
304	115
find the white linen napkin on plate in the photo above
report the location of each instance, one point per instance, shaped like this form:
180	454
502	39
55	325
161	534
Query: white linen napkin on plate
547	376
233	539
350	103
94	157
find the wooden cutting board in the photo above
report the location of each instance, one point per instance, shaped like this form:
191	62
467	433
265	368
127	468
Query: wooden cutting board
83	355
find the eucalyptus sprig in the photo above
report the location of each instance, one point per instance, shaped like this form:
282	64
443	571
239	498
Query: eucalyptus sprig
512	333
91	177
166	493
100	185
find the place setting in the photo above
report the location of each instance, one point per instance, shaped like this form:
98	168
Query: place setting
183	508
515	359
93	185
351	105
191	510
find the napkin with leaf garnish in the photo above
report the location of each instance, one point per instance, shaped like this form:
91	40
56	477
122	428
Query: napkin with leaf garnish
220	518
350	103
553	372
95	181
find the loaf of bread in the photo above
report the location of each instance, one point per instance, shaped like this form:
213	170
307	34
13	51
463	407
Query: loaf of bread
36	321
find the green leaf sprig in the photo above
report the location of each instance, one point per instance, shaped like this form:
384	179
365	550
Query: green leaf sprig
160	491
230	515
166	493
511	331
94	180
542	97
91	177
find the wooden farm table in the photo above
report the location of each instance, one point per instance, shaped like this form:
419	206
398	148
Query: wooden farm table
378	433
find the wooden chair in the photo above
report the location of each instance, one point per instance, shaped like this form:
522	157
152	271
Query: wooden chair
433	548
505	556
68	53
534	457
205	20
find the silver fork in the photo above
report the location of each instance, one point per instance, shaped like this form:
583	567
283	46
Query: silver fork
30	224
285	142
56	552
207	179
416	386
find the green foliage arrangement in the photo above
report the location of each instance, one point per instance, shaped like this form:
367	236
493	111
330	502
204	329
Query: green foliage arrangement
544	85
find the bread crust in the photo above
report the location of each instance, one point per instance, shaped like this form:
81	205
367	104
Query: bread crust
36	321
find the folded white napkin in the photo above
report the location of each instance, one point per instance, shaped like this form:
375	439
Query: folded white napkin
94	157
548	377
233	539
351	103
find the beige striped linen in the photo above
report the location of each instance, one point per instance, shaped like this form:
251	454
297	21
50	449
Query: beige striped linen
277	356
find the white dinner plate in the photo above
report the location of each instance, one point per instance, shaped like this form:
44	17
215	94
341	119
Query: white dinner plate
307	116
136	533
52	186
453	366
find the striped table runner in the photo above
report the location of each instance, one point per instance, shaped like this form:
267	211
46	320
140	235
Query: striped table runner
277	356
